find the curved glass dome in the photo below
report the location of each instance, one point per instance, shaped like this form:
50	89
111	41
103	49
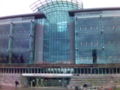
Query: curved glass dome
57	44
56	10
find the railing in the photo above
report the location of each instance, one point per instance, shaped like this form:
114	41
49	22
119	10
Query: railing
61	70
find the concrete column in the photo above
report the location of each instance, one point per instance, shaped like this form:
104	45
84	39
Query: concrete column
25	70
71	27
80	70
31	42
30	70
98	71
112	70
10	43
31	84
90	70
39	44
37	82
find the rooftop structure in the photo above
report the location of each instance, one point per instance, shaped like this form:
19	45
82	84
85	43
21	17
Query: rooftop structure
56	31
56	10
59	42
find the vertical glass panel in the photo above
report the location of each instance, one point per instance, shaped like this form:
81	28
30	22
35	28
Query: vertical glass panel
99	31
20	57
21	36
4	39
111	27
4	57
56	43
87	39
4	36
4	43
21	45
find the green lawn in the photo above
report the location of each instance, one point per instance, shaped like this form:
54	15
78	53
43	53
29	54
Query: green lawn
117	89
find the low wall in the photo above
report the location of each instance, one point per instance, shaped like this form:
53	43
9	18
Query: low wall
95	80
9	80
103	80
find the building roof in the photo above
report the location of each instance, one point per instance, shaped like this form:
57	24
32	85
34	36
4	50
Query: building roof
60	65
72	13
35	15
56	10
47	5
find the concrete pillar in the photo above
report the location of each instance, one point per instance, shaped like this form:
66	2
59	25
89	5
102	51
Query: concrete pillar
91	70
10	43
71	27
37	82
39	43
31	41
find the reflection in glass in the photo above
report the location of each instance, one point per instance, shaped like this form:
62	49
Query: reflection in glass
15	42
100	33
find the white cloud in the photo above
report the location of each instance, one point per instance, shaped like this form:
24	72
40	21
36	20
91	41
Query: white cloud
11	7
100	3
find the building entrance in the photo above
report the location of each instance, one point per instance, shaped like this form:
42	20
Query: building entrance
47	82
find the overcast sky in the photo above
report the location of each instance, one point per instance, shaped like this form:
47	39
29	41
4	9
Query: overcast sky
13	7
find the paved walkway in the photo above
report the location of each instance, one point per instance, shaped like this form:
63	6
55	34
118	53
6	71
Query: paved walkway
46	88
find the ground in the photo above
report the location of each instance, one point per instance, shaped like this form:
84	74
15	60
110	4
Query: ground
45	88
52	88
117	89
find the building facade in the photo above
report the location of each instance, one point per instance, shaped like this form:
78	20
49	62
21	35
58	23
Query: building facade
58	46
59	43
97	35
17	38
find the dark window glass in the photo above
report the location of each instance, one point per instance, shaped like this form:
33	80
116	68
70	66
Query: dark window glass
4	40
56	43
21	49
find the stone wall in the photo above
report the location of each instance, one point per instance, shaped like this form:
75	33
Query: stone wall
95	80
9	80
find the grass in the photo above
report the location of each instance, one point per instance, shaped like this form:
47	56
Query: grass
117	89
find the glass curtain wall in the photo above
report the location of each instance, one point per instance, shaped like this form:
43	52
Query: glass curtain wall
16	42
56	48
111	32
97	37
87	39
56	43
4	42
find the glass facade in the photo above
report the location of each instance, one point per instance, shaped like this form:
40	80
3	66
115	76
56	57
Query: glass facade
90	37
57	44
16	41
56	47
4	42
99	31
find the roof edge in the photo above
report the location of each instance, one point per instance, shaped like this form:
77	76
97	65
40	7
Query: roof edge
35	15
72	13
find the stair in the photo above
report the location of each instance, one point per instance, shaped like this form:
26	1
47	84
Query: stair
94	80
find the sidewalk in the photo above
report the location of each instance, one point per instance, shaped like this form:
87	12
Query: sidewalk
39	88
